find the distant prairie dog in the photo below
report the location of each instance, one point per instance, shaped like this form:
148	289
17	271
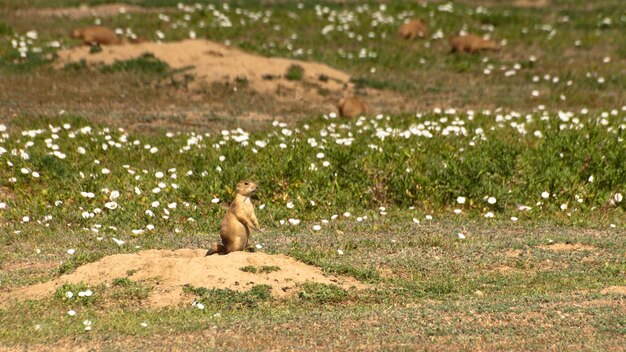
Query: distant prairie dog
471	43
96	35
352	107
413	29
238	221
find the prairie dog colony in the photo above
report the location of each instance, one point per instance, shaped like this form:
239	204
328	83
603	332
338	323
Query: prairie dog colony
440	175
217	63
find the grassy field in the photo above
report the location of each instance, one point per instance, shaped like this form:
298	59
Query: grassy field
571	53
479	215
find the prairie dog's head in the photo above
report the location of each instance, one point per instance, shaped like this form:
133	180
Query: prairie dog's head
247	188
76	33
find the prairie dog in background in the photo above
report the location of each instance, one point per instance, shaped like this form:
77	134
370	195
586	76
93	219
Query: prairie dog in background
96	35
351	107
413	29
471	43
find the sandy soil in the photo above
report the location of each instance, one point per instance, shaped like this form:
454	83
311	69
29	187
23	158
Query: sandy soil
615	290
567	247
212	62
167	271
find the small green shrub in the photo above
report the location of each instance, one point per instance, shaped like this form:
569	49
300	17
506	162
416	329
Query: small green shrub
77	260
322	293
61	294
231	299
294	73
249	269
147	63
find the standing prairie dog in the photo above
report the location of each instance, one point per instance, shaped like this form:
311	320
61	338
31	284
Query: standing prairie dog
351	107
96	35
471	43
238	221
413	29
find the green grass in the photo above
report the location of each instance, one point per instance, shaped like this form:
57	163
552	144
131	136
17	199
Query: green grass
294	73
77	260
146	63
416	70
321	293
402	262
226	299
399	175
264	269
578	165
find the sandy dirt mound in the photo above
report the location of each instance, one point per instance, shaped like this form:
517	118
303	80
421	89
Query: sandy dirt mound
168	271
212	62
105	10
614	290
558	247
531	3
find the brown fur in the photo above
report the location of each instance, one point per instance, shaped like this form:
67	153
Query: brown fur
96	35
352	107
471	43
413	29
238	221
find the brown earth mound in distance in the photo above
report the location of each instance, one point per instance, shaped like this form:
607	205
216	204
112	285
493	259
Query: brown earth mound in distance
531	3
615	290
211	62
167	272
567	247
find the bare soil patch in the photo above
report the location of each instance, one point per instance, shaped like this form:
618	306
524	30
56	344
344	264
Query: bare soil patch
617	290
169	271
558	247
531	3
84	10
212	62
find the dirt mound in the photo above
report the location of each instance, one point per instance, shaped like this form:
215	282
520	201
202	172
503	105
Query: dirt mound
615	290
211	62
104	10
531	3
168	271
567	247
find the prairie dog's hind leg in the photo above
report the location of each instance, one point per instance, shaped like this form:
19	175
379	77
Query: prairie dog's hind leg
215	248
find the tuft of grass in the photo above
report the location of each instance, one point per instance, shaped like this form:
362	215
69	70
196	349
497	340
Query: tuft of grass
319	293
76	66
5	29
294	73
227	299
261	269
317	258
94	49
129	290
249	269
147	63
61	294
76	260
268	268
